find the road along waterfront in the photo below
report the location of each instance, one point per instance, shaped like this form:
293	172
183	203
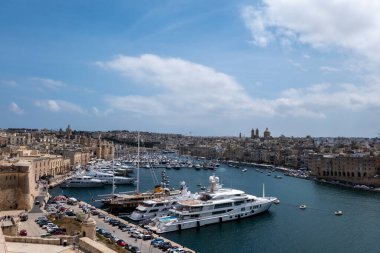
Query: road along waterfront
285	228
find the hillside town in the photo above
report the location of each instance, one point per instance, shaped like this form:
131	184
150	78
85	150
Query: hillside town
51	154
31	160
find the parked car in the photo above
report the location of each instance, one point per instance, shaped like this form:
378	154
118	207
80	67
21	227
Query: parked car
23	232
164	245
135	249
24	217
114	238
41	218
136	234
101	231
115	222
43	222
107	235
147	237
121	243
156	241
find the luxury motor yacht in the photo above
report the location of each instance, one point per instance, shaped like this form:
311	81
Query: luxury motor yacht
214	205
160	206
109	178
82	181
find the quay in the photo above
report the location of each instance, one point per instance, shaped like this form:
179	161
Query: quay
144	245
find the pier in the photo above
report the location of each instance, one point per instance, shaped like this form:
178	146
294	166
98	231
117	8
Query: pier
144	245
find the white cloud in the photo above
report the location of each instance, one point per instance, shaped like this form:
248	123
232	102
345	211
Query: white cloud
193	91
13	107
347	24
319	100
185	86
100	113
49	83
328	69
10	83
255	20
59	105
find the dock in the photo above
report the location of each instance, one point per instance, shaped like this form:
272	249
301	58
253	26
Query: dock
145	246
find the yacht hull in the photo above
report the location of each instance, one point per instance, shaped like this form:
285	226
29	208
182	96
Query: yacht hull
171	226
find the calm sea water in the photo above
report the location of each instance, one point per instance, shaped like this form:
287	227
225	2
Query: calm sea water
285	228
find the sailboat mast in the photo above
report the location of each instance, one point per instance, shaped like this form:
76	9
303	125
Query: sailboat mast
113	173
263	191
138	163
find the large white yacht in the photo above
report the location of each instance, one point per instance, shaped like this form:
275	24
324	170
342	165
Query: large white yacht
82	181
215	205
109	178
160	206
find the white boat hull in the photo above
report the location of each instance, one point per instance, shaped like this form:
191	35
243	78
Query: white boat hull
83	185
193	223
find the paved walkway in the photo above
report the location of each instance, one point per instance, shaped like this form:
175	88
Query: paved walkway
16	247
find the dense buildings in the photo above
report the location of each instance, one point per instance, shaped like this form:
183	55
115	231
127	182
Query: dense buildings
28	156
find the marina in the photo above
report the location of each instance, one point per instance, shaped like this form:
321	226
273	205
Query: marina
290	229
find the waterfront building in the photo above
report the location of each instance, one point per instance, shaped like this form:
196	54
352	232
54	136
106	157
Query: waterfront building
104	150
355	169
77	157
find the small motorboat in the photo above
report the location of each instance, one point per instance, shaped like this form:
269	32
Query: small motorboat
276	201
338	213
244	170
278	176
302	206
203	188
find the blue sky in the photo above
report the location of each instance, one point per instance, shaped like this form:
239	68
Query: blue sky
192	67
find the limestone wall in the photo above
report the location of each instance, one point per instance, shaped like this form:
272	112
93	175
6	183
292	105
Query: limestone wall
89	246
3	246
15	186
29	239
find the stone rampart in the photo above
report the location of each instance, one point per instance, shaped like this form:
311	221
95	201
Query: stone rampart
29	239
89	246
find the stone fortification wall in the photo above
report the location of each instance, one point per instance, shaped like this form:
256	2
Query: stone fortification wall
3	246
89	246
17	187
29	239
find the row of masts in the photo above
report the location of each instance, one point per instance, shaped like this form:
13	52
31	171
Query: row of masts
138	168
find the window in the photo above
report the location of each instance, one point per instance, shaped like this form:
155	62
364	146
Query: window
219	212
223	205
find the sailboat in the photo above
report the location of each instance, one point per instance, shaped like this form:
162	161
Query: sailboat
126	202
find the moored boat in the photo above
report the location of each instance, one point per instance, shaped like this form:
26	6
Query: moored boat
82	182
215	205
302	207
160	206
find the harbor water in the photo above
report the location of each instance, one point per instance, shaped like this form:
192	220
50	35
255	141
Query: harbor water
285	228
